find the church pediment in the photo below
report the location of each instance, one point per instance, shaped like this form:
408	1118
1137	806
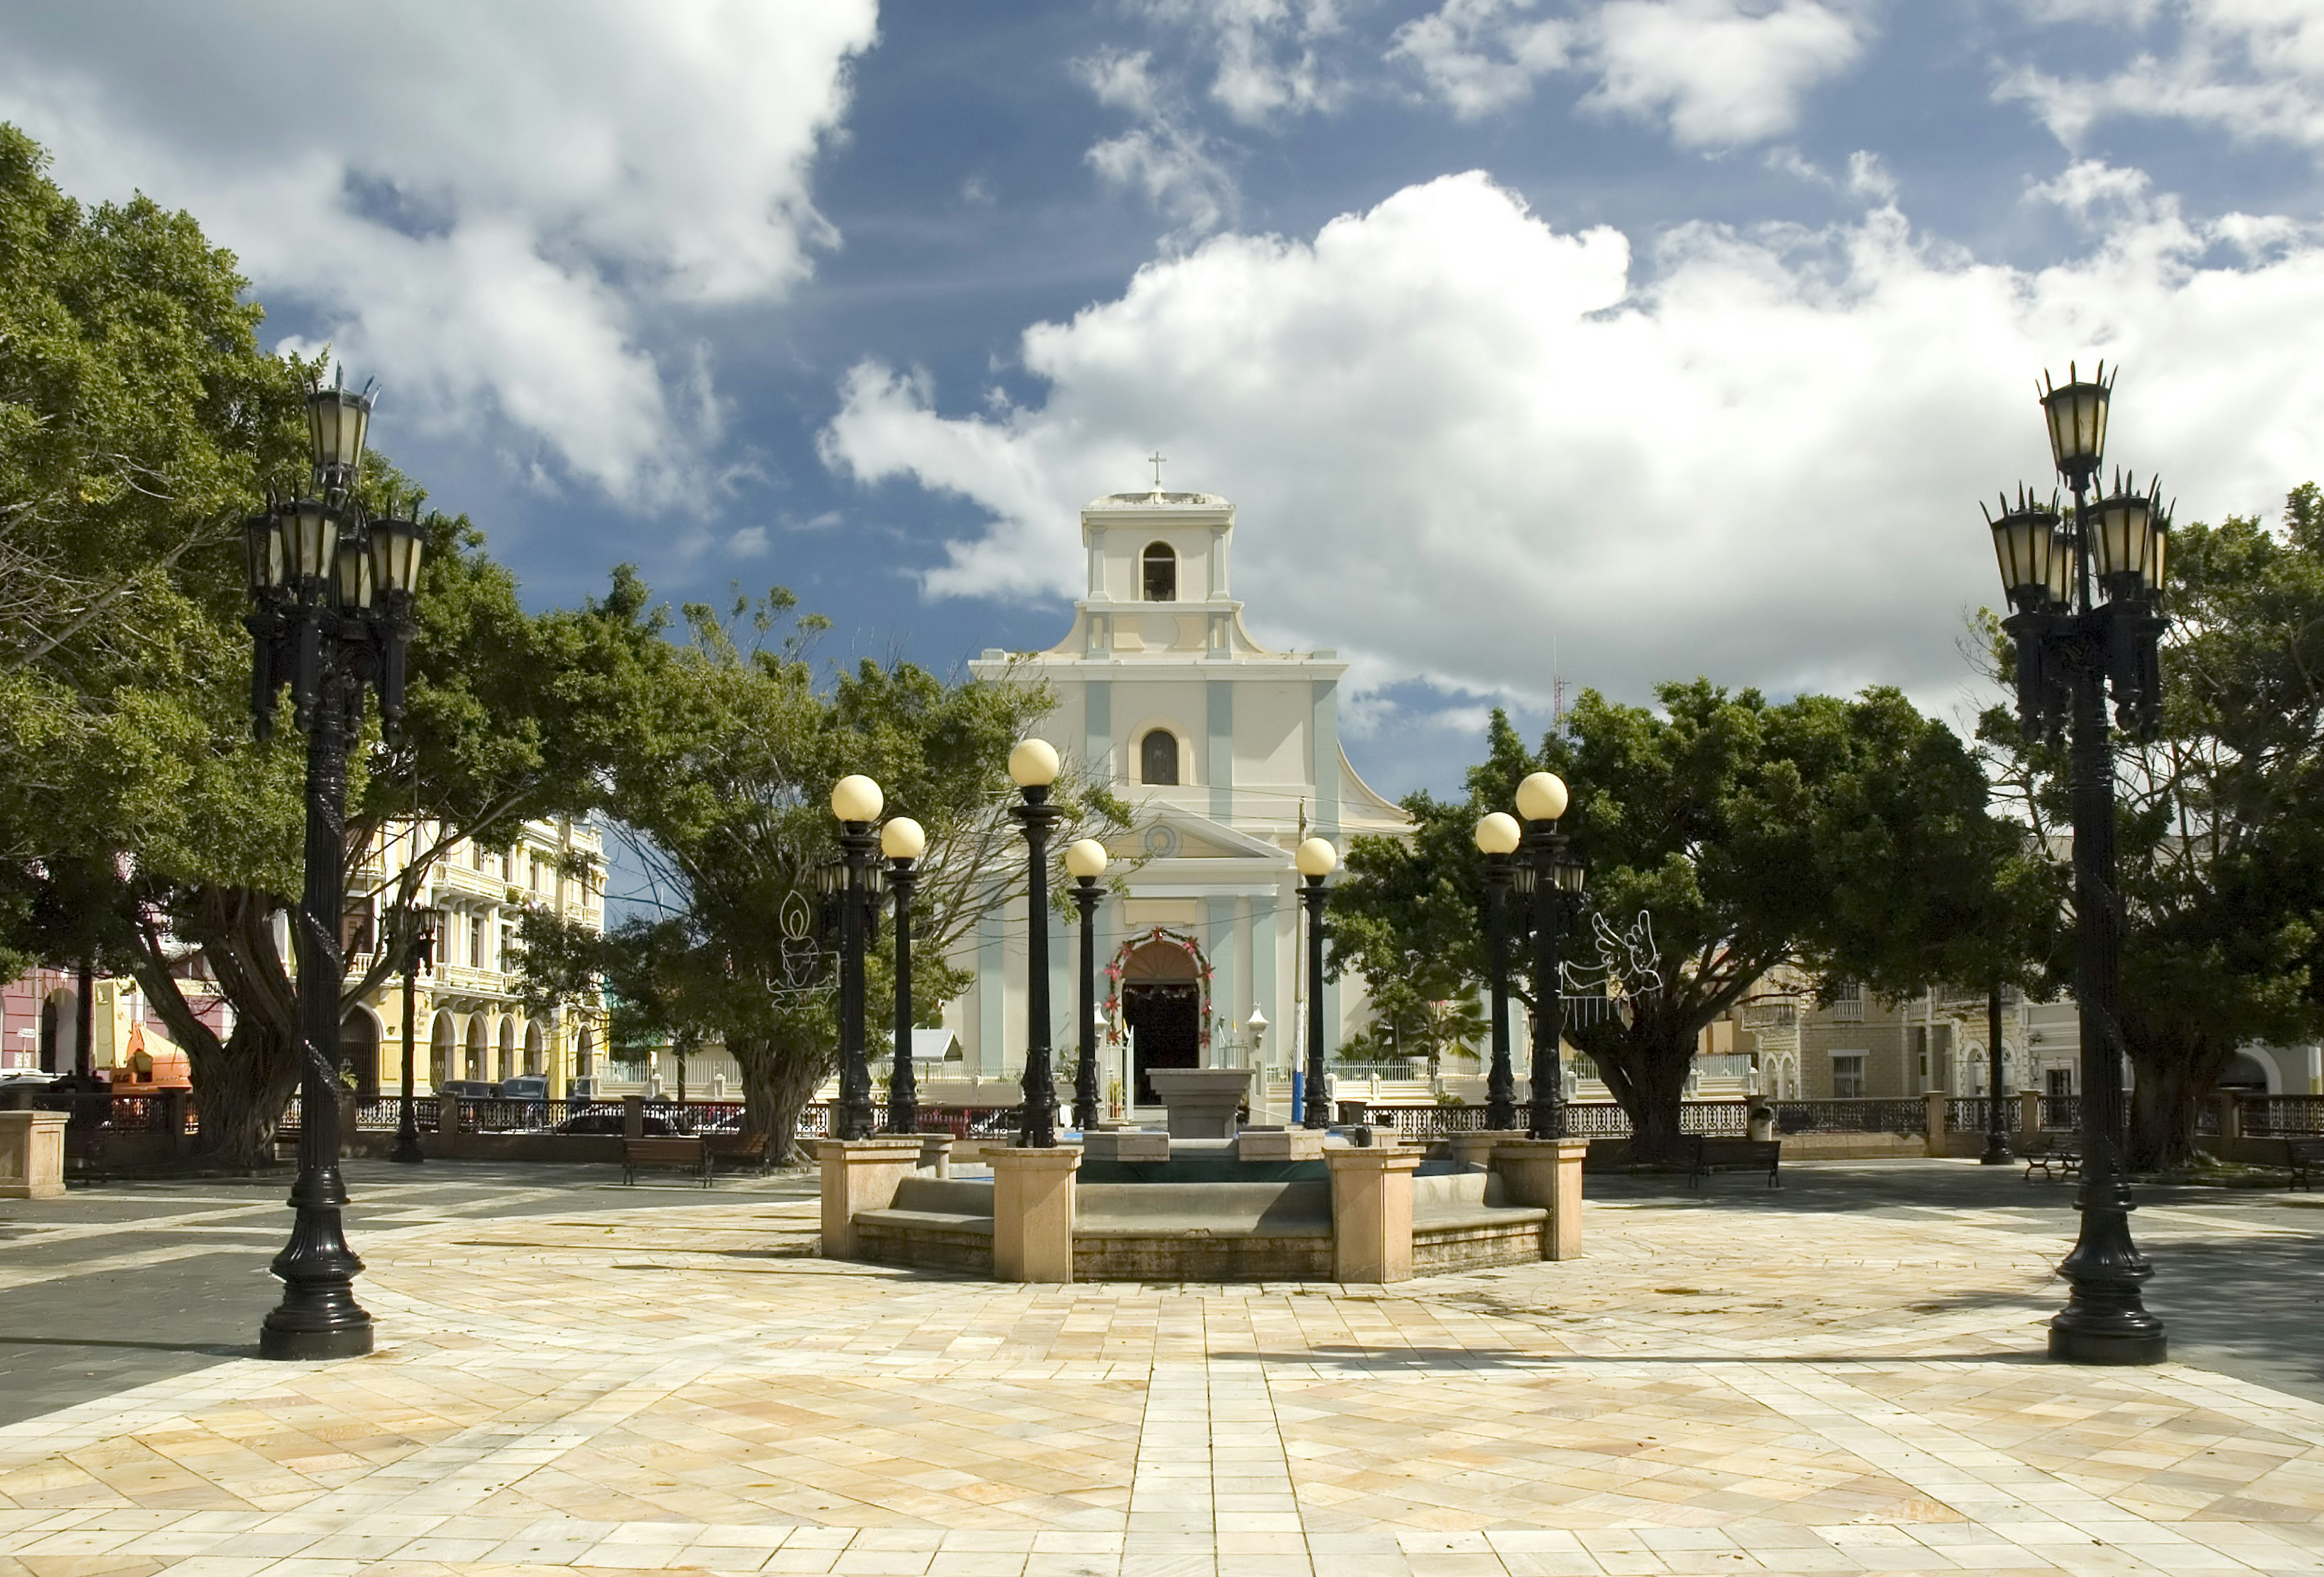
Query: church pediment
1167	831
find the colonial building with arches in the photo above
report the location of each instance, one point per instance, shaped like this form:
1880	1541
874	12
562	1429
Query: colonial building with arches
470	1023
1230	752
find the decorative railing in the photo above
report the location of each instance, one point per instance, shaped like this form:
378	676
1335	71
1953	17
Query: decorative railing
1969	1114
1909	1115
2276	1115
2062	1113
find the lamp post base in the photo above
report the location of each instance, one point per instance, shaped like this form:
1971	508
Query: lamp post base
2072	1344
1997	1153
312	1346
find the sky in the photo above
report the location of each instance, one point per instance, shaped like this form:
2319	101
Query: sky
1608	341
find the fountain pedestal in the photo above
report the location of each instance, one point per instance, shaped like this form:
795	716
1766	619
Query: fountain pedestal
1371	1212
860	1175
1033	1213
1201	1102
1546	1172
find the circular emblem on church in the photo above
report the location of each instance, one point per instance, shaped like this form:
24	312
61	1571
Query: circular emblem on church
1160	842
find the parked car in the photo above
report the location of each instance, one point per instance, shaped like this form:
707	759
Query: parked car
469	1089
525	1087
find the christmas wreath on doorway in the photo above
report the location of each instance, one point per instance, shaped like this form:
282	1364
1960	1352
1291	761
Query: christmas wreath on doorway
1148	937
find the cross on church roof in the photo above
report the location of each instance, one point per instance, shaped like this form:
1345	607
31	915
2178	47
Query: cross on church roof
1155	459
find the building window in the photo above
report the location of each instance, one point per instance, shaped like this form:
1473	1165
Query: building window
1158	757
477	959
1161	576
1847	1002
1848	1075
2061	1080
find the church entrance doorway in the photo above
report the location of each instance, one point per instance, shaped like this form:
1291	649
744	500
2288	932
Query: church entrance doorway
1162	1005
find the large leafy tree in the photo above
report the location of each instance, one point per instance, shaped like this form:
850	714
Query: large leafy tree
725	802
1751	834
140	422
2221	858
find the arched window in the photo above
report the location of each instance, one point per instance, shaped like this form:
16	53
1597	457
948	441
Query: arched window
1158	755
1161	578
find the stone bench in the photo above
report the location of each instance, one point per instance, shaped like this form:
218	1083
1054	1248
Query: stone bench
1203	1231
1463	1221
941	1222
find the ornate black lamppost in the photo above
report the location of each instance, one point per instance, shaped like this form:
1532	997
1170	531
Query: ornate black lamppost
1546	877
1497	840
1316	859
2071	648
1997	1131
330	589
902	841
855	801
420	929
1085	860
1033	766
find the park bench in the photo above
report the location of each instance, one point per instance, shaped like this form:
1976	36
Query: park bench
739	1150
2302	1156
1736	1155
2058	1154
686	1154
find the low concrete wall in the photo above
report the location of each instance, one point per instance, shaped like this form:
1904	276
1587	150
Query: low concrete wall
1463	1221
1605	1153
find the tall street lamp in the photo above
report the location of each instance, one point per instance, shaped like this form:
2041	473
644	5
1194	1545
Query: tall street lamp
1033	766
1497	840
330	590
1086	860
1316	859
420	929
1547	876
2073	648
903	842
855	801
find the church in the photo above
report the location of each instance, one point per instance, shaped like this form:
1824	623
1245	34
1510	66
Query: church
1229	754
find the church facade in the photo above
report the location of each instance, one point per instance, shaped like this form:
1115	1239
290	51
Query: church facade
1229	754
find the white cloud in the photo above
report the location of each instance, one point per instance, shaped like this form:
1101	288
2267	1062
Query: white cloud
1165	154
1482	55
2254	68
1460	438
1718	73
1265	51
480	203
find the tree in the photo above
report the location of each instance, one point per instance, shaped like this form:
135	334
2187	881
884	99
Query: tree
725	803
1753	834
2220	860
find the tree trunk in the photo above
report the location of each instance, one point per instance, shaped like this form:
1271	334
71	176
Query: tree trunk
1646	1066
776	1081
2174	1064
241	1093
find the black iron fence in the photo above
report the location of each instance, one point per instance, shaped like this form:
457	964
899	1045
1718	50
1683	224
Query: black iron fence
1897	1115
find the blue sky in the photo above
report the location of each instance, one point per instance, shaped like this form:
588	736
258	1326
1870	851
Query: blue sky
1625	340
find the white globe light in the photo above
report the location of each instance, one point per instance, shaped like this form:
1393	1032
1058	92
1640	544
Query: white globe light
1033	764
1498	833
1542	797
1086	858
902	839
1316	857
856	797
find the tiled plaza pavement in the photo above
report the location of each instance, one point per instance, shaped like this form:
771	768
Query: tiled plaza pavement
1726	1384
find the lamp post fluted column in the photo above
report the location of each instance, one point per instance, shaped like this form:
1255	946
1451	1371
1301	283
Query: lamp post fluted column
1316	859
1086	862
857	801
1497	839
902	841
420	953
1996	1124
1033	766
1540	801
2072	650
